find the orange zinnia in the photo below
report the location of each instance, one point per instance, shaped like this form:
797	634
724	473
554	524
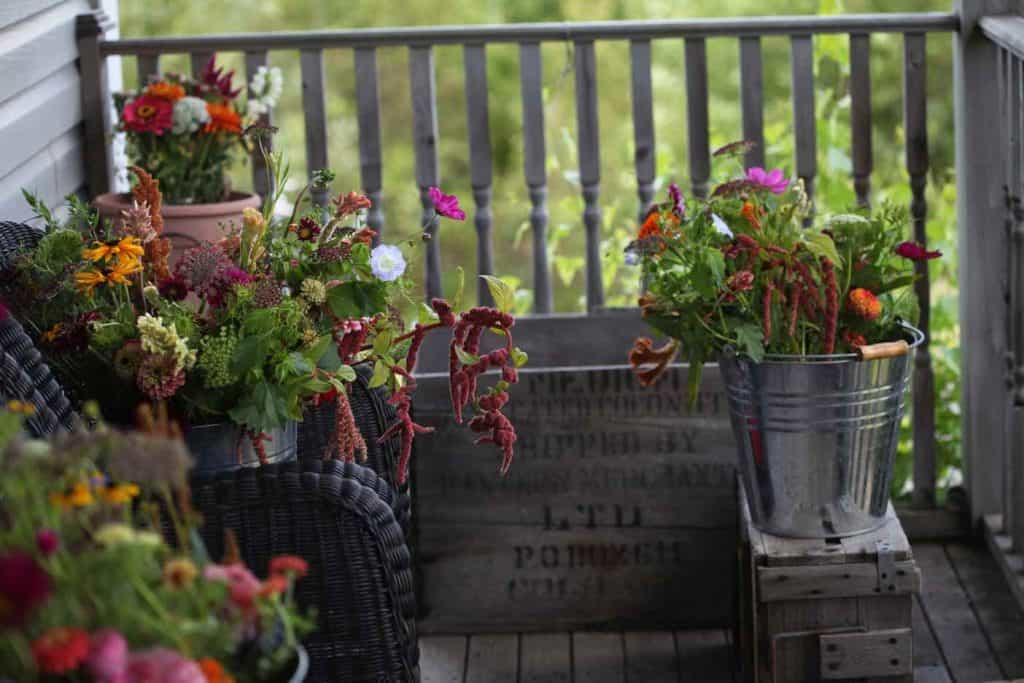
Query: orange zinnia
223	117
864	303
651	226
166	91
213	671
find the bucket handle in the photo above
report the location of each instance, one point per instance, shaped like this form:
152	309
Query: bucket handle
883	350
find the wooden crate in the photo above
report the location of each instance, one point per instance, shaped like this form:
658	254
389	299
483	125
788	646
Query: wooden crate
825	610
619	509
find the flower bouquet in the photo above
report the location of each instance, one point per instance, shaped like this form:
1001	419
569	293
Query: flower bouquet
91	591
243	333
795	317
185	132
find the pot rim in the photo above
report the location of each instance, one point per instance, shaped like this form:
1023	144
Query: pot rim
234	204
917	337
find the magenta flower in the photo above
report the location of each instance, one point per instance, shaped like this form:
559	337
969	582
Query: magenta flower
916	252
47	542
162	665
678	206
773	180
446	205
108	656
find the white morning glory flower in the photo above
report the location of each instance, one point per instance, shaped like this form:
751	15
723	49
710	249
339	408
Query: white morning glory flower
720	226
387	262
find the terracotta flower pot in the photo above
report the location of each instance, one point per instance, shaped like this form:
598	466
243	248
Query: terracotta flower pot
186	225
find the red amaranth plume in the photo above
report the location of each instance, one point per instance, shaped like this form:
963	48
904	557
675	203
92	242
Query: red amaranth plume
794	306
831	304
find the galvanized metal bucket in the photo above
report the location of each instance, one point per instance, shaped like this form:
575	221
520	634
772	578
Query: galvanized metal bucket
215	447
816	437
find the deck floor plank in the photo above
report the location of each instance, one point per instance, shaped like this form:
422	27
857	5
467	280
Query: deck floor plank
598	658
545	658
1000	617
704	656
926	648
651	657
954	621
443	659
493	658
931	674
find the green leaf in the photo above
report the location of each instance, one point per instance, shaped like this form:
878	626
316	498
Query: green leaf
750	340
351	300
318	352
265	408
427	314
896	283
465	357
381	372
693	379
250	354
714	259
460	286
346	373
382	342
503	294
822	246
519	357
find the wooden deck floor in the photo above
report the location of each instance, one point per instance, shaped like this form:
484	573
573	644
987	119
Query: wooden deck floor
967	629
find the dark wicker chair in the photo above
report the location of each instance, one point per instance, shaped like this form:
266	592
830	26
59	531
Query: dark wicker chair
339	517
26	377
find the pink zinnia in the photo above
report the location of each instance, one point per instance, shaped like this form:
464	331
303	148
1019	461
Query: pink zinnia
773	181
243	586
148	114
446	205
108	656
161	665
916	252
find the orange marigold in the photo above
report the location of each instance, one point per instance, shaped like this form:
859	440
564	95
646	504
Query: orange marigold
165	90
214	671
864	303
223	118
651	226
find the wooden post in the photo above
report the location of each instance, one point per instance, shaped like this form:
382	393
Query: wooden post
89	30
982	249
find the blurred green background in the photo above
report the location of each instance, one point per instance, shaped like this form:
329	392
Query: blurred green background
618	186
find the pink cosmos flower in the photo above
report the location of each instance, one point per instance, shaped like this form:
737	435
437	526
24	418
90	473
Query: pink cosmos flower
148	114
107	661
446	205
161	665
773	181
916	252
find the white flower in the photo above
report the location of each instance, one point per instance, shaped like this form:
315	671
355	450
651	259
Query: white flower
189	114
264	91
387	262
631	257
720	226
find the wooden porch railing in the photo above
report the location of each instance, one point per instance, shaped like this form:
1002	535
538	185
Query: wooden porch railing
693	35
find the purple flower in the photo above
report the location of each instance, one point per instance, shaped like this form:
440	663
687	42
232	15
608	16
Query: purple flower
773	180
237	276
446	204
387	262
47	541
678	206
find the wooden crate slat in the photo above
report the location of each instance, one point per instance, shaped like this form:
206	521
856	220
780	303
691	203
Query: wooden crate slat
704	656
475	60
643	123
442	659
371	160
588	144
804	119
699	140
880	653
535	170
817	582
651	657
545	658
752	98
493	658
598	658
424	116
862	152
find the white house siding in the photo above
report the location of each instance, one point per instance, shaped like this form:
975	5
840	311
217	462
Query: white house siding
40	101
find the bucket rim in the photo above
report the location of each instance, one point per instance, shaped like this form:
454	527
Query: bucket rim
917	337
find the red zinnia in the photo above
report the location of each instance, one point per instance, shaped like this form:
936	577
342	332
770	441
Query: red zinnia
24	585
148	114
864	303
916	252
289	564
854	340
60	650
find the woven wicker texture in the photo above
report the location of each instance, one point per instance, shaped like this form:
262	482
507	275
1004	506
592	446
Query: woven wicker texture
373	416
26	377
16	239
339	517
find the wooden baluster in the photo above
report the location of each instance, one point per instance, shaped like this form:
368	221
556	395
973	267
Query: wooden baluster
697	115
368	116
480	171
96	124
860	115
262	184
643	124
198	60
915	123
1015	418
802	65
587	140
1004	68
752	98
531	79
311	66
148	65
424	114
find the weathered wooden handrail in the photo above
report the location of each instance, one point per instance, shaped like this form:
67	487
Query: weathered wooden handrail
693	34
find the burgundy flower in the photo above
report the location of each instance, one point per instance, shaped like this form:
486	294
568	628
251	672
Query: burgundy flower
173	288
24	585
214	76
916	252
308	229
47	541
446	205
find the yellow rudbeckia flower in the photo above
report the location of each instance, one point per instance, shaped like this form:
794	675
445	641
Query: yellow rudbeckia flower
87	280
118	274
129	249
